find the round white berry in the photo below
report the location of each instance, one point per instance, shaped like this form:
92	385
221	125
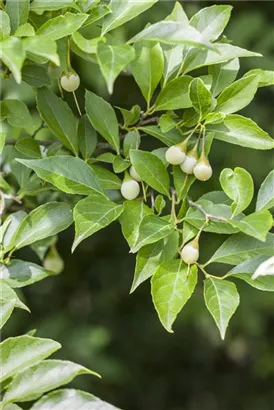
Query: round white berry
174	155
189	254
134	174
202	171
70	82
130	189
188	164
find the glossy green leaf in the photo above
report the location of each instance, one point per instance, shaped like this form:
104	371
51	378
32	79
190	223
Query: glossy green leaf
151	169
103	118
211	21
147	68
18	11
73	399
87	137
20	273
265	198
40	49
266	78
172	137
62	26
46	375
238	95
13	55
59	118
214	118
92	214
130	117
69	174
19	353
96	13
17	113
123	11
108	180
223	74
172	286
5	24
178	14
222	300
29	147
257	224
25	30
120	164
132	140
10	226
201	98
242	131
174	95
40	6
87	46
112	60
36	76
238	186
239	247
8	301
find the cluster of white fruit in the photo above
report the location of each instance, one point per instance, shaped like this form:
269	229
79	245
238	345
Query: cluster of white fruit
189	161
130	188
70	81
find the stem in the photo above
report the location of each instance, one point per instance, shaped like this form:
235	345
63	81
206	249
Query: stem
208	275
173	203
152	199
206	215
68	56
77	104
60	88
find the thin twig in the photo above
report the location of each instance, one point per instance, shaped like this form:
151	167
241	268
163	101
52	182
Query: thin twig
76	103
206	215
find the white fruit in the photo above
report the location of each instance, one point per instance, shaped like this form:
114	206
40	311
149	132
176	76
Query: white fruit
130	189
202	171
70	82
188	164
189	253
174	155
134	174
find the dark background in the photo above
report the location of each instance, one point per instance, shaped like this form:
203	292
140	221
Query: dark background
88	307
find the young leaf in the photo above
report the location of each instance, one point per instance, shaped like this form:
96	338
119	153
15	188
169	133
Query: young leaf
8	301
12	222
25	30
147	69
18	11
36	76
70	398
201	98
151	169
172	285
120	164
240	130
19	353
87	137
46	220
174	95
59	118
211	21
103	118
238	95
132	140
46	375
223	75
265	198
178	14
257	224
132	116
62	26
69	174
239	247
266	78
123	11
19	273
238	185
112	60
29	147
222	300
92	214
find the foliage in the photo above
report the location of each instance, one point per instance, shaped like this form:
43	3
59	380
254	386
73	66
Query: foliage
62	177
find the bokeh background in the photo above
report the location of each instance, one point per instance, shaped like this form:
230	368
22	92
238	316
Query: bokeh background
88	307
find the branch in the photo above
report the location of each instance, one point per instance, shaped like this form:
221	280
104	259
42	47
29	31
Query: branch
206	215
152	120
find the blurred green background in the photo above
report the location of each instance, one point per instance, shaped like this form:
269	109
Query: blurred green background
88	307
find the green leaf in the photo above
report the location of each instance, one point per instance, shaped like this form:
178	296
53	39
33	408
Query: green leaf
151	169
103	118
59	118
223	74
266	78
172	286
257	224
159	204
173	32
265	198
152	228
131	218
130	117
46	220
96	13
19	273
239	247
132	140
8	229
40	49
238	95
211	21
222	300
216	197
107	179
5	24
242	131
201	98
62	26
112	60
39	6
147	69
87	137
214	118
70	398
87	46
17	113
120	164
13	55
36	76
8	301
18	11
92	214
178	14
238	186
69	174
46	375
123	11
25	30
182	182
168	138
19	353
174	95
246	269
29	147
